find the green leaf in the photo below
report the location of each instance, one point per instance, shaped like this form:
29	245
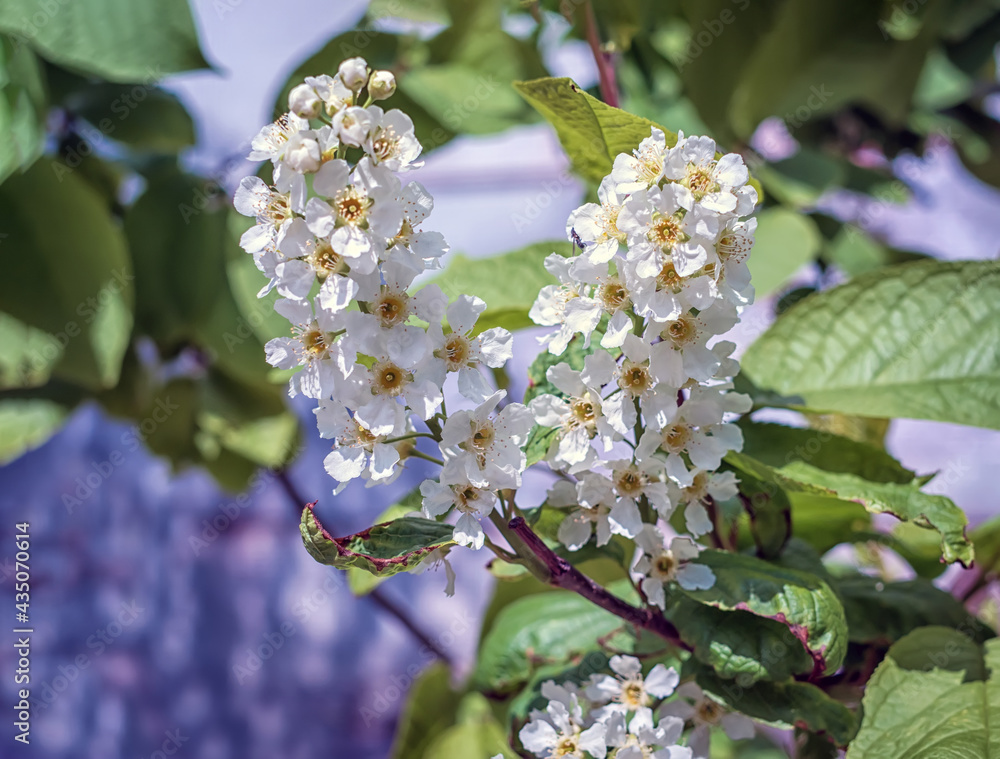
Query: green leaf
785	705
915	714
430	709
384	549
509	283
28	354
118	40
800	600
777	445
550	628
23	106
178	233
591	132
883	612
941	647
785	242
157	123
905	502
478	734
921	340
26	424
84	301
361	582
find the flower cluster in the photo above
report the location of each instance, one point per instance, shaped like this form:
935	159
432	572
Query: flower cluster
626	716
640	428
339	237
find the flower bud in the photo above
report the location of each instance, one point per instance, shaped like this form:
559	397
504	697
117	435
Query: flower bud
382	85
303	101
354	73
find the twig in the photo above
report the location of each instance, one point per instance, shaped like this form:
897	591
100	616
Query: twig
605	68
564	575
376	595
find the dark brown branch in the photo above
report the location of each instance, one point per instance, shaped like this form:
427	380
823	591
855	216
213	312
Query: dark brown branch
564	575
377	596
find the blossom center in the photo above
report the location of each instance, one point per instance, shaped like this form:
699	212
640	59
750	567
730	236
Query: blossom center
676	437
631	482
389	379
634	378
325	260
391	308
456	351
666	231
385	145
665	565
567	746
698	488
612	295
634	695
708	712
352	205
668	278
700	181
680	332
581	412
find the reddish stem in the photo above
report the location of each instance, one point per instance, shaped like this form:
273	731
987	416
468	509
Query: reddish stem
564	575
605	66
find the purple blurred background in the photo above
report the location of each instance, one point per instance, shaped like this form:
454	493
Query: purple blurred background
156	630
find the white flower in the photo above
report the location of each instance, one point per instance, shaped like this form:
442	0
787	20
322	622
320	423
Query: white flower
391	142
382	85
304	101
388	303
362	215
303	154
595	507
594	227
271	209
668	295
610	296
332	91
303	259
644	167
488	448
397	352
696	487
716	185
578	416
311	345
733	249
357	451
458	351
628	691
689	335
272	140
694	705
634	481
651	374
663	225
558	732
549	309
662	564
422	249
352	125
353	73
455	490
641	740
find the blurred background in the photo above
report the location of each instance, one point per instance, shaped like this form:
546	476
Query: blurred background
155	454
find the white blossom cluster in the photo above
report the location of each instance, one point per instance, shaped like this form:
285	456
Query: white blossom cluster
339	237
640	430
614	716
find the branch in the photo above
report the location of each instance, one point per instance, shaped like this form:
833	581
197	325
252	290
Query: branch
376	595
564	575
605	68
